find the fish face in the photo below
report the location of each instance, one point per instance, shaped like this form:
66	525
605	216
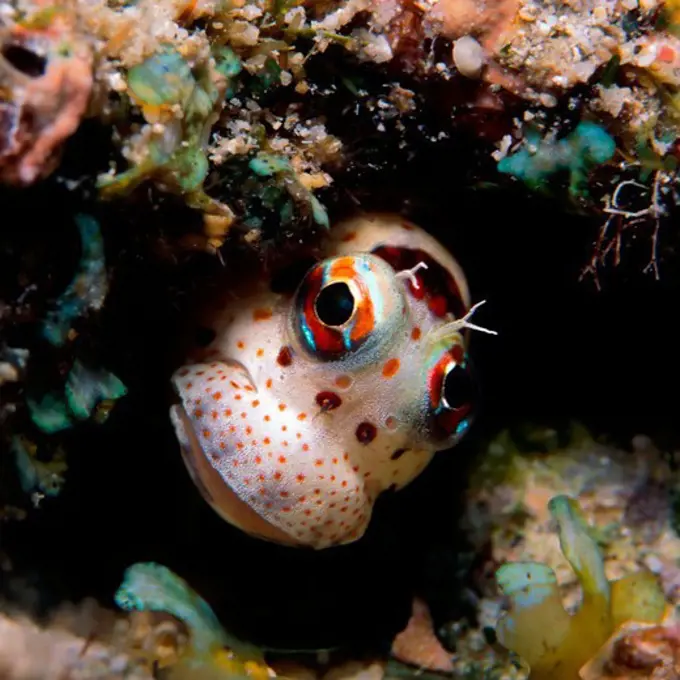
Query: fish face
304	409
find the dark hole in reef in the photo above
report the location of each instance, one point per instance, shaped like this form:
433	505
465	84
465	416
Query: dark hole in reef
289	278
25	60
459	387
204	336
335	304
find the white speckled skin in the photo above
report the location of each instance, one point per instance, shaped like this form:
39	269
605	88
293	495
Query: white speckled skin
270	454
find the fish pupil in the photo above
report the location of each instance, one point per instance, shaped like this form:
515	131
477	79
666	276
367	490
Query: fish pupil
335	304
459	388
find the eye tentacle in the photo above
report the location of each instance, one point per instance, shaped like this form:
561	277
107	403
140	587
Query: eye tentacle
454	327
410	274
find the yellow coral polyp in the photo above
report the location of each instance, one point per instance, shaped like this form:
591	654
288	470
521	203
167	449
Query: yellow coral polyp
554	643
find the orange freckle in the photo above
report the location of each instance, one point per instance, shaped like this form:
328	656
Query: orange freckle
258	460
335	461
232	428
391	368
238	397
284	494
244	415
302	416
227	412
249	430
234	462
217	395
246	481
269	383
260	352
282	459
343	381
239	445
284	428
240	344
262	314
263	492
300	478
308	512
356	468
267	419
415	333
224	377
211	378
189	385
282	407
198	413
344	482
345	456
317	491
248	388
206	433
285	508
318	462
305	447
200	372
277	475
349	236
367	474
266	441
332	478
256	403
284	443
261	478
254	442
214	415
235	385
298	435
319	502
197	402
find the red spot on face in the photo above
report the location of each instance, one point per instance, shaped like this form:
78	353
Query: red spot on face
262	314
328	400
366	432
302	416
415	334
391	368
269	383
198	413
349	236
256	403
305	447
282	459
285	357
260	352
282	407
240	344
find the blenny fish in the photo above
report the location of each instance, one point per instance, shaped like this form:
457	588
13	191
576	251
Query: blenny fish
304	408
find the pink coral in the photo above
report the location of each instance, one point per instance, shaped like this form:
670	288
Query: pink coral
46	80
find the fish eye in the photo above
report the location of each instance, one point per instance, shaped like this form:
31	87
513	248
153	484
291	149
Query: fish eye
452	393
334	305
459	389
348	306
